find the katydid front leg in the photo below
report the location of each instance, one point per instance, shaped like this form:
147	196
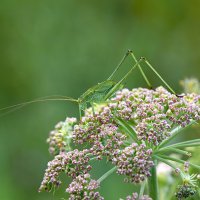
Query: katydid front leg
119	65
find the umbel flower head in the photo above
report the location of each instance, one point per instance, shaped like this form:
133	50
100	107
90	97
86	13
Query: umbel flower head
153	114
134	161
185	191
127	130
83	187
135	196
60	138
190	85
73	163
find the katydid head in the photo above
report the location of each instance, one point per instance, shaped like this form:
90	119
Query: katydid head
143	58
129	52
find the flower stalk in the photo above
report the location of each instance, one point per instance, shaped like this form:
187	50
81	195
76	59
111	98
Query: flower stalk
108	173
153	182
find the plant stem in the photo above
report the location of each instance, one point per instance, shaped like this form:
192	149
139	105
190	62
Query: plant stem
152	182
142	188
108	173
174	133
179	161
172	150
169	164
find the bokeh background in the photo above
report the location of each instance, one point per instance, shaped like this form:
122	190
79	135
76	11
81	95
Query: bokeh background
64	47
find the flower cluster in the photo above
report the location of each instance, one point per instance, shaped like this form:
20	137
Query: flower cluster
185	191
155	112
191	85
101	132
185	110
152	114
134	161
59	139
51	176
154	129
83	188
73	163
125	129
135	196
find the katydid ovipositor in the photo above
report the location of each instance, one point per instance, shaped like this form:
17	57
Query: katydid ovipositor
100	92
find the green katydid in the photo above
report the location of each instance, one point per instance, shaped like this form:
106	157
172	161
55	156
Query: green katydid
102	91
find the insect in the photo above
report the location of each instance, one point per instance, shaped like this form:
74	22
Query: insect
102	91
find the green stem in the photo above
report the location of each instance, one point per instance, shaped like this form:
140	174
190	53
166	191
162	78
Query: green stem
129	130
180	145
168	163
172	149
108	173
179	161
142	188
174	133
152	182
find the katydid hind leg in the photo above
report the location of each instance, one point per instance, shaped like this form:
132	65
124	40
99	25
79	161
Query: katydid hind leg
159	76
141	70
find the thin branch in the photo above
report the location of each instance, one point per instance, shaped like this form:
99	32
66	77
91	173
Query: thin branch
108	173
174	133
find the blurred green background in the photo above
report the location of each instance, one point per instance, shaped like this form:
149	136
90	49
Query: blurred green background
65	46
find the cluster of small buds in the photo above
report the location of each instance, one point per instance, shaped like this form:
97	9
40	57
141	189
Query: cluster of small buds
83	188
134	161
73	163
60	138
51	176
154	129
90	126
186	166
177	171
76	162
150	114
155	112
185	191
139	103
107	141
101	132
184	110
135	196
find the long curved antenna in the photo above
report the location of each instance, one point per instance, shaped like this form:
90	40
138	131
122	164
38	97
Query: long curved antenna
141	71
43	99
159	76
119	65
